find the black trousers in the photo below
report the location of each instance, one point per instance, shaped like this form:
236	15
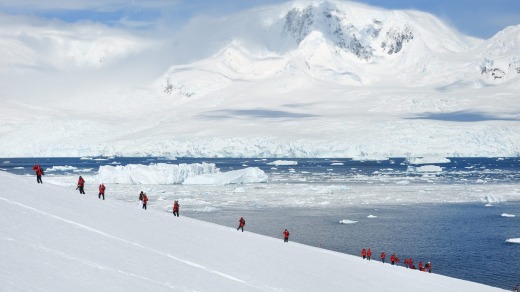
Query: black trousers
81	191
39	179
101	194
144	206
176	213
286	239
241	227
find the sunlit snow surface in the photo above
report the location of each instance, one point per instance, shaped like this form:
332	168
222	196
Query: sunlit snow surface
54	240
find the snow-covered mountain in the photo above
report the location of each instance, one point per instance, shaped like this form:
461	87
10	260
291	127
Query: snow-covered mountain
350	44
303	78
500	56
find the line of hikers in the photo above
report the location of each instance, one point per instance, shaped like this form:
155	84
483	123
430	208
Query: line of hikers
242	223
394	260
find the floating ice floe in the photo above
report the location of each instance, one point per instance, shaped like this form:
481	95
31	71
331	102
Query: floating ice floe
507	215
490	199
205	209
371	216
425	168
61	168
345	221
241	176
513	240
283	162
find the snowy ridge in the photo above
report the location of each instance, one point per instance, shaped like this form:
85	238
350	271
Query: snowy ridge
113	246
333	43
500	59
300	79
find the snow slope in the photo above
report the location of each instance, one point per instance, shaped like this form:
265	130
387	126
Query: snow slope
52	239
299	79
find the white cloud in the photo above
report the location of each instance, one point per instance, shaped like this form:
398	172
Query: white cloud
99	5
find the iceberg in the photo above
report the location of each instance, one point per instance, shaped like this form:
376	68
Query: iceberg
241	176
160	173
283	162
346	221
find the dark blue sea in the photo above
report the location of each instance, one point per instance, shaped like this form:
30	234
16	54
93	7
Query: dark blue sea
319	170
462	240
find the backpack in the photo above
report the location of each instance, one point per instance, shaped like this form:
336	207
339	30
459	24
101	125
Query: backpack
41	169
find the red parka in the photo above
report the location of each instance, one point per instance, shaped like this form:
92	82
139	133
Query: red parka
37	169
81	182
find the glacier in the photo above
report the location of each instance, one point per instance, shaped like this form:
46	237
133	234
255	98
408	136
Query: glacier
298	79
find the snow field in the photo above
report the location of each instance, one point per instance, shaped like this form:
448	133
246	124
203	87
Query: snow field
54	239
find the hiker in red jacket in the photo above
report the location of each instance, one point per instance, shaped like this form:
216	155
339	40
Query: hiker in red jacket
363	253
392	259
241	224
369	254
383	256
176	208
145	200
286	236
101	191
406	263
81	185
39	172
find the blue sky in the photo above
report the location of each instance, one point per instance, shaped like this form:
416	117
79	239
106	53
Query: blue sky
481	18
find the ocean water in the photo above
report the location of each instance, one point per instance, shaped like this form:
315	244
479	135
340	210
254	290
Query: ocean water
465	241
462	240
311	170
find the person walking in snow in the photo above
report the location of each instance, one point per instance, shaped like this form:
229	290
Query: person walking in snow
369	254
141	199
429	267
101	191
241	224
81	185
286	236
406	263
363	253
176	208
145	200
39	172
383	256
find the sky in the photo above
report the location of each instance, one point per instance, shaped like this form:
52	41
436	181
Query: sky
479	18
